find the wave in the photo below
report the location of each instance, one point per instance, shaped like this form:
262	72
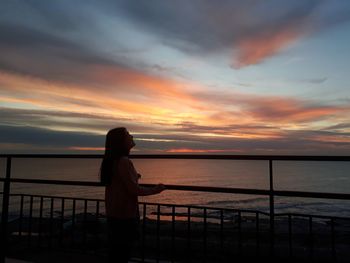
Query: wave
235	202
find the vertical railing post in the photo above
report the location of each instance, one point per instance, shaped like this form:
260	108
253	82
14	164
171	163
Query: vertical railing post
5	208
272	210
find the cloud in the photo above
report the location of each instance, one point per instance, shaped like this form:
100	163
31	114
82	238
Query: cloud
339	126
161	104
187	150
63	120
250	28
42	54
255	49
244	131
274	110
56	38
315	80
44	137
54	66
122	93
24	139
93	123
294	111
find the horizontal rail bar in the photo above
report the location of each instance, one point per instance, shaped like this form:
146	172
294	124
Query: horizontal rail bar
59	197
210	189
216	189
60	182
340	196
191	156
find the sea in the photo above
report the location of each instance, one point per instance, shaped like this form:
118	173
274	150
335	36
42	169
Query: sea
313	176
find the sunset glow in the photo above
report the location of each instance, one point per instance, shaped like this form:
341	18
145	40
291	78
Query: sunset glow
231	79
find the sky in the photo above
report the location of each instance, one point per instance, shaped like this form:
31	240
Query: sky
199	76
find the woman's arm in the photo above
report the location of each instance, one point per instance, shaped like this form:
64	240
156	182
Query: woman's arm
127	175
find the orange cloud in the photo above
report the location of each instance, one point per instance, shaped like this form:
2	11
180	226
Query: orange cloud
255	49
127	80
290	110
234	108
187	150
332	138
137	96
164	103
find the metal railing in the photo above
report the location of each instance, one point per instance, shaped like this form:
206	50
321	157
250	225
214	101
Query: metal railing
191	237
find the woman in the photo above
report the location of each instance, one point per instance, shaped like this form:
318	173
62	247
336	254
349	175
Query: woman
121	195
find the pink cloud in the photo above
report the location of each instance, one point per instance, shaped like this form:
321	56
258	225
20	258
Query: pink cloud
189	150
253	50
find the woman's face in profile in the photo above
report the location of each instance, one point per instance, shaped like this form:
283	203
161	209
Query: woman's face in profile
129	140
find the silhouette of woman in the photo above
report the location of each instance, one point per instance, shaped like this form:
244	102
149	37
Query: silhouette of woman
121	194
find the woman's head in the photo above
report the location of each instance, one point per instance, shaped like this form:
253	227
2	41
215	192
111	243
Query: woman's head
118	143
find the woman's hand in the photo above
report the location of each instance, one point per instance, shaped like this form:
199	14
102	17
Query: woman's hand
159	188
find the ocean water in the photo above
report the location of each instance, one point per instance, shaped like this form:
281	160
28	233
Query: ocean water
288	175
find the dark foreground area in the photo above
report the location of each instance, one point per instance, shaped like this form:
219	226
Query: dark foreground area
84	239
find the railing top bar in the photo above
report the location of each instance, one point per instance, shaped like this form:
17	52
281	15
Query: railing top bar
191	156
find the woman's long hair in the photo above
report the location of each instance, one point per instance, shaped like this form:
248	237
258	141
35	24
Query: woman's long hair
114	149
